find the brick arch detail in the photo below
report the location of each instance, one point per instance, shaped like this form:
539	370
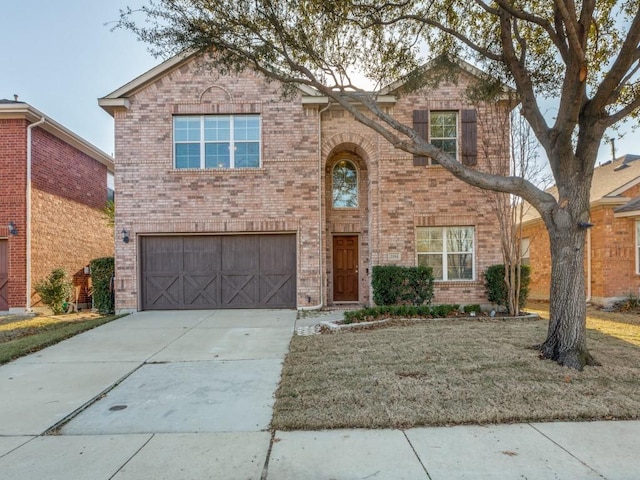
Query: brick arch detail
348	141
210	89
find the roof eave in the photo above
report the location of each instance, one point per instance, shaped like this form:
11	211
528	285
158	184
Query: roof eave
625	187
110	105
31	114
149	76
632	213
609	201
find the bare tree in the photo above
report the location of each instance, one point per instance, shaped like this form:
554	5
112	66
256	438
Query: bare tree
509	209
586	54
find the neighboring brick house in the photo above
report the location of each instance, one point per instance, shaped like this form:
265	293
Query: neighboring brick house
62	218
231	195
612	250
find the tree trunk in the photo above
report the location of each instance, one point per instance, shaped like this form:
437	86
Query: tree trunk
566	337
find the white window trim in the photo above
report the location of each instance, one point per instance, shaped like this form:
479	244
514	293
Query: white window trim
444	253
203	142
457	112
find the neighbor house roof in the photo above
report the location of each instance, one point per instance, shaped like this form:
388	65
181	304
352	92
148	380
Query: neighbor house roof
631	208
12	109
611	181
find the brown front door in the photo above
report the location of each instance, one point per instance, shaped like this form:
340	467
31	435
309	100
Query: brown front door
4	276
345	268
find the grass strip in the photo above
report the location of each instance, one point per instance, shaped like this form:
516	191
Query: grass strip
48	335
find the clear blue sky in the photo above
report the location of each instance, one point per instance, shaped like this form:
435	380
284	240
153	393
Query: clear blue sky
60	57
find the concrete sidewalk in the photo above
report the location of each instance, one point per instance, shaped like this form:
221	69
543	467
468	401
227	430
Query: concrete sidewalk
189	395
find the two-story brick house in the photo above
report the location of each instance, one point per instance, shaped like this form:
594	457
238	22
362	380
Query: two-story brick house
53	189
231	195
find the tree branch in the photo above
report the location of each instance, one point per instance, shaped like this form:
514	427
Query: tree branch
628	54
574	37
628	109
530	108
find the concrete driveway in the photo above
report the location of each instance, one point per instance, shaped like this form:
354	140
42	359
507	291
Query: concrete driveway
86	406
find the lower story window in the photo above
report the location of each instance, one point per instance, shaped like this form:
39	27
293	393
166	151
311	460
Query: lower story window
525	246
448	250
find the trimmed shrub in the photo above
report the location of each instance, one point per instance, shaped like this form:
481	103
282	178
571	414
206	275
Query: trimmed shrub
54	290
497	288
394	285
102	270
475	308
444	310
398	311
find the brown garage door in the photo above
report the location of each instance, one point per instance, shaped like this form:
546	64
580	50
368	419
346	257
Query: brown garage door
4	276
235	271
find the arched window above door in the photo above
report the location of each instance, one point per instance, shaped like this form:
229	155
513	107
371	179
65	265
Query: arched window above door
345	185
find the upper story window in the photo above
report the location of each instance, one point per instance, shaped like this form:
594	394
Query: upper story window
454	132
345	185
448	250
443	131
217	141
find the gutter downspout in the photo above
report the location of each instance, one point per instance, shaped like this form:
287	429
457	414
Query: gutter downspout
320	222
28	219
588	265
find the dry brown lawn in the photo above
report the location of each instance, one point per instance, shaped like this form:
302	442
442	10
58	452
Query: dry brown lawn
24	334
454	371
18	326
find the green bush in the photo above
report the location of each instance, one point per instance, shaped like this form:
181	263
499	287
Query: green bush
444	310
393	285
102	270
497	288
630	304
475	308
398	311
54	290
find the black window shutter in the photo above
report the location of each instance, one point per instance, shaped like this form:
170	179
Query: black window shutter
469	137
421	126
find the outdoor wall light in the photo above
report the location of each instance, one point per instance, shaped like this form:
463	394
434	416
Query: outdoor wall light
125	236
585	225
12	228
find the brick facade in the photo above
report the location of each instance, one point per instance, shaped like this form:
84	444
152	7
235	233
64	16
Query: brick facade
68	194
610	256
291	191
13	204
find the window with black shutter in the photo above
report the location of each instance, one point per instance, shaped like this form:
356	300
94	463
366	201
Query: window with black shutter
469	124
442	130
421	126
